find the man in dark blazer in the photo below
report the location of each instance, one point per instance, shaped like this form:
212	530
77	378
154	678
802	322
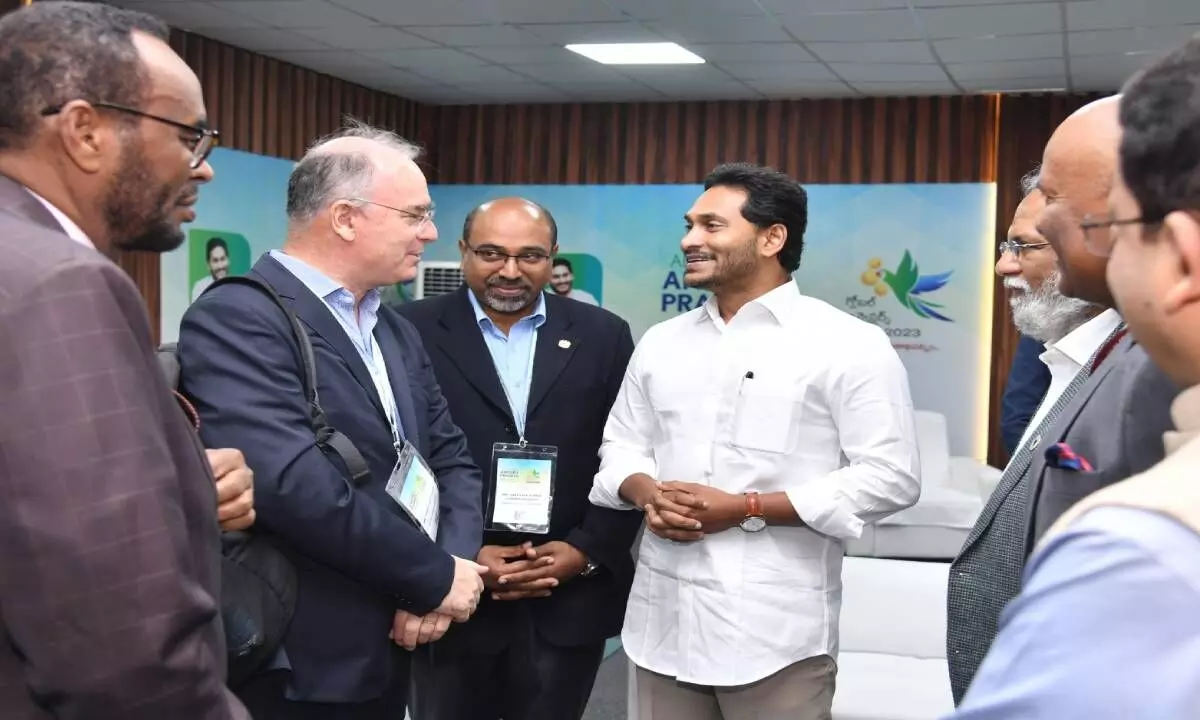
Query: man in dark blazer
1028	380
109	549
533	649
359	215
1113	415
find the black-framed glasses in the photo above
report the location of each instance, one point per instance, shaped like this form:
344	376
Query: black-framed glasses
496	256
201	140
1097	231
1016	247
420	218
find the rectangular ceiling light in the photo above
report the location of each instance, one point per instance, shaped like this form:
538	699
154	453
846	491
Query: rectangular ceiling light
667	53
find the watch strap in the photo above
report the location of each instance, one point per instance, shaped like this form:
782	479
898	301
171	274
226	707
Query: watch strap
753	505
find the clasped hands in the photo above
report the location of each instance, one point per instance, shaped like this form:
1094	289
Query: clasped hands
409	630
687	512
511	573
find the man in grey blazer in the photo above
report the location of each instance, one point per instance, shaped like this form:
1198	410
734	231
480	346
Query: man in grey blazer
109	567
1112	414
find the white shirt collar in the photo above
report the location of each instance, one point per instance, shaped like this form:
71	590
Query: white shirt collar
781	303
72	230
1081	343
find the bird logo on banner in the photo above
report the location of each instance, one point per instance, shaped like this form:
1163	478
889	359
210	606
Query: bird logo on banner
908	285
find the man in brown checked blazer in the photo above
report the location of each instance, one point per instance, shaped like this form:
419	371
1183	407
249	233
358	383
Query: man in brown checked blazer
109	550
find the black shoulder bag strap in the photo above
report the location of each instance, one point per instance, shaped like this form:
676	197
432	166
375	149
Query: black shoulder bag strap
328	438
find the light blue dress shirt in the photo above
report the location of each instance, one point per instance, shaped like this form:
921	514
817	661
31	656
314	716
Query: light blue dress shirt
1107	627
513	354
359	324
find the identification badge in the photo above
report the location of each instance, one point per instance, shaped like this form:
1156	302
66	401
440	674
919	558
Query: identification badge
522	489
414	488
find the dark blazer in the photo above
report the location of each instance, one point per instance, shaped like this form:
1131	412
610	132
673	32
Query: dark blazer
1028	381
358	557
572	391
109	547
1116	421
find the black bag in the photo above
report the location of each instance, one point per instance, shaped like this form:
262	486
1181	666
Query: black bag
258	582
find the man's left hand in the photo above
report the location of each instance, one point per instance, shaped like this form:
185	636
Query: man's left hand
716	509
235	488
566	562
408	630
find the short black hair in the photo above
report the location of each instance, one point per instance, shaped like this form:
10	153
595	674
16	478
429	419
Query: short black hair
563	262
1160	142
470	220
772	198
54	52
213	243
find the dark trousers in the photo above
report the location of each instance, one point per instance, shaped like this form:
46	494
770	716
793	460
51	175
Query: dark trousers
529	679
263	695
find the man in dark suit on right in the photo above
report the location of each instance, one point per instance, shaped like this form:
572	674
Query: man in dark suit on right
1114	414
520	364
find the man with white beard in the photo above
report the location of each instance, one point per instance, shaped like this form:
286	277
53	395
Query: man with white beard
1071	329
987	572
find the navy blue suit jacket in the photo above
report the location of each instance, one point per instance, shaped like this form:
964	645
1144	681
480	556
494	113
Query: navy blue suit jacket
357	555
1028	381
572	390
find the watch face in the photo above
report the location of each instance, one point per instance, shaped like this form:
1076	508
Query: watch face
753	524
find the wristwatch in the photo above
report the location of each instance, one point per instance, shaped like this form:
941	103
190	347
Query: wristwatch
590	569
754	520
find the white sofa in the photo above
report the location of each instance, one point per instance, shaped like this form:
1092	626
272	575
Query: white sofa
953	491
892	660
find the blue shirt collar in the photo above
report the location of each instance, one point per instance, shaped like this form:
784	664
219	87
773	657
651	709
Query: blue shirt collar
536	318
318	282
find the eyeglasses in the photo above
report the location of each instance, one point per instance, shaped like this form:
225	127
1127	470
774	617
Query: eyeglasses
419	218
1016	247
495	256
201	140
1097	231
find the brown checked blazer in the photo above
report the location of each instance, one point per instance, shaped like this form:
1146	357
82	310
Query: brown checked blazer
109	546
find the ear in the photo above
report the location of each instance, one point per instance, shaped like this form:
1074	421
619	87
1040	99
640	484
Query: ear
341	217
85	136
773	240
1181	232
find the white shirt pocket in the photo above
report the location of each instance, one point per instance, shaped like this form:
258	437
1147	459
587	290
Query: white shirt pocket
766	419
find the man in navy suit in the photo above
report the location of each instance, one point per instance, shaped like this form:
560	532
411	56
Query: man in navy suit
524	367
359	215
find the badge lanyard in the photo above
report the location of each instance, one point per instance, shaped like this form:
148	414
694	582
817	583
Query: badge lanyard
386	396
520	417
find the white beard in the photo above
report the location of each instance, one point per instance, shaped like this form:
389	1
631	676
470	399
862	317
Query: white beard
1046	314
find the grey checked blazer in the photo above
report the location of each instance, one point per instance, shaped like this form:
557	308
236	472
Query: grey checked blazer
109	554
1115	418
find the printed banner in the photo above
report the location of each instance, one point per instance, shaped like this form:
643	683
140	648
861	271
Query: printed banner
916	260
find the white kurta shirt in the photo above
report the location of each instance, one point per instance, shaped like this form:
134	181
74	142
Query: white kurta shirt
792	395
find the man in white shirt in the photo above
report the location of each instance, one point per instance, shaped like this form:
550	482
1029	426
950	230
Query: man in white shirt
758	433
1072	329
562	282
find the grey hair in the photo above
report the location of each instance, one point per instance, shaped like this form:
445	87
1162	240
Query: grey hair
323	176
1029	182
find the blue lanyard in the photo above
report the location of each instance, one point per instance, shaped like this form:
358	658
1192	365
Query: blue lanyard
519	417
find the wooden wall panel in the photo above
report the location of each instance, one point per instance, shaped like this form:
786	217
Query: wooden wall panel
1026	123
877	140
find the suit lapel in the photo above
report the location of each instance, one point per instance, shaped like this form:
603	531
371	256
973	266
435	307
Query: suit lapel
556	345
393	358
462	341
1072	412
318	317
